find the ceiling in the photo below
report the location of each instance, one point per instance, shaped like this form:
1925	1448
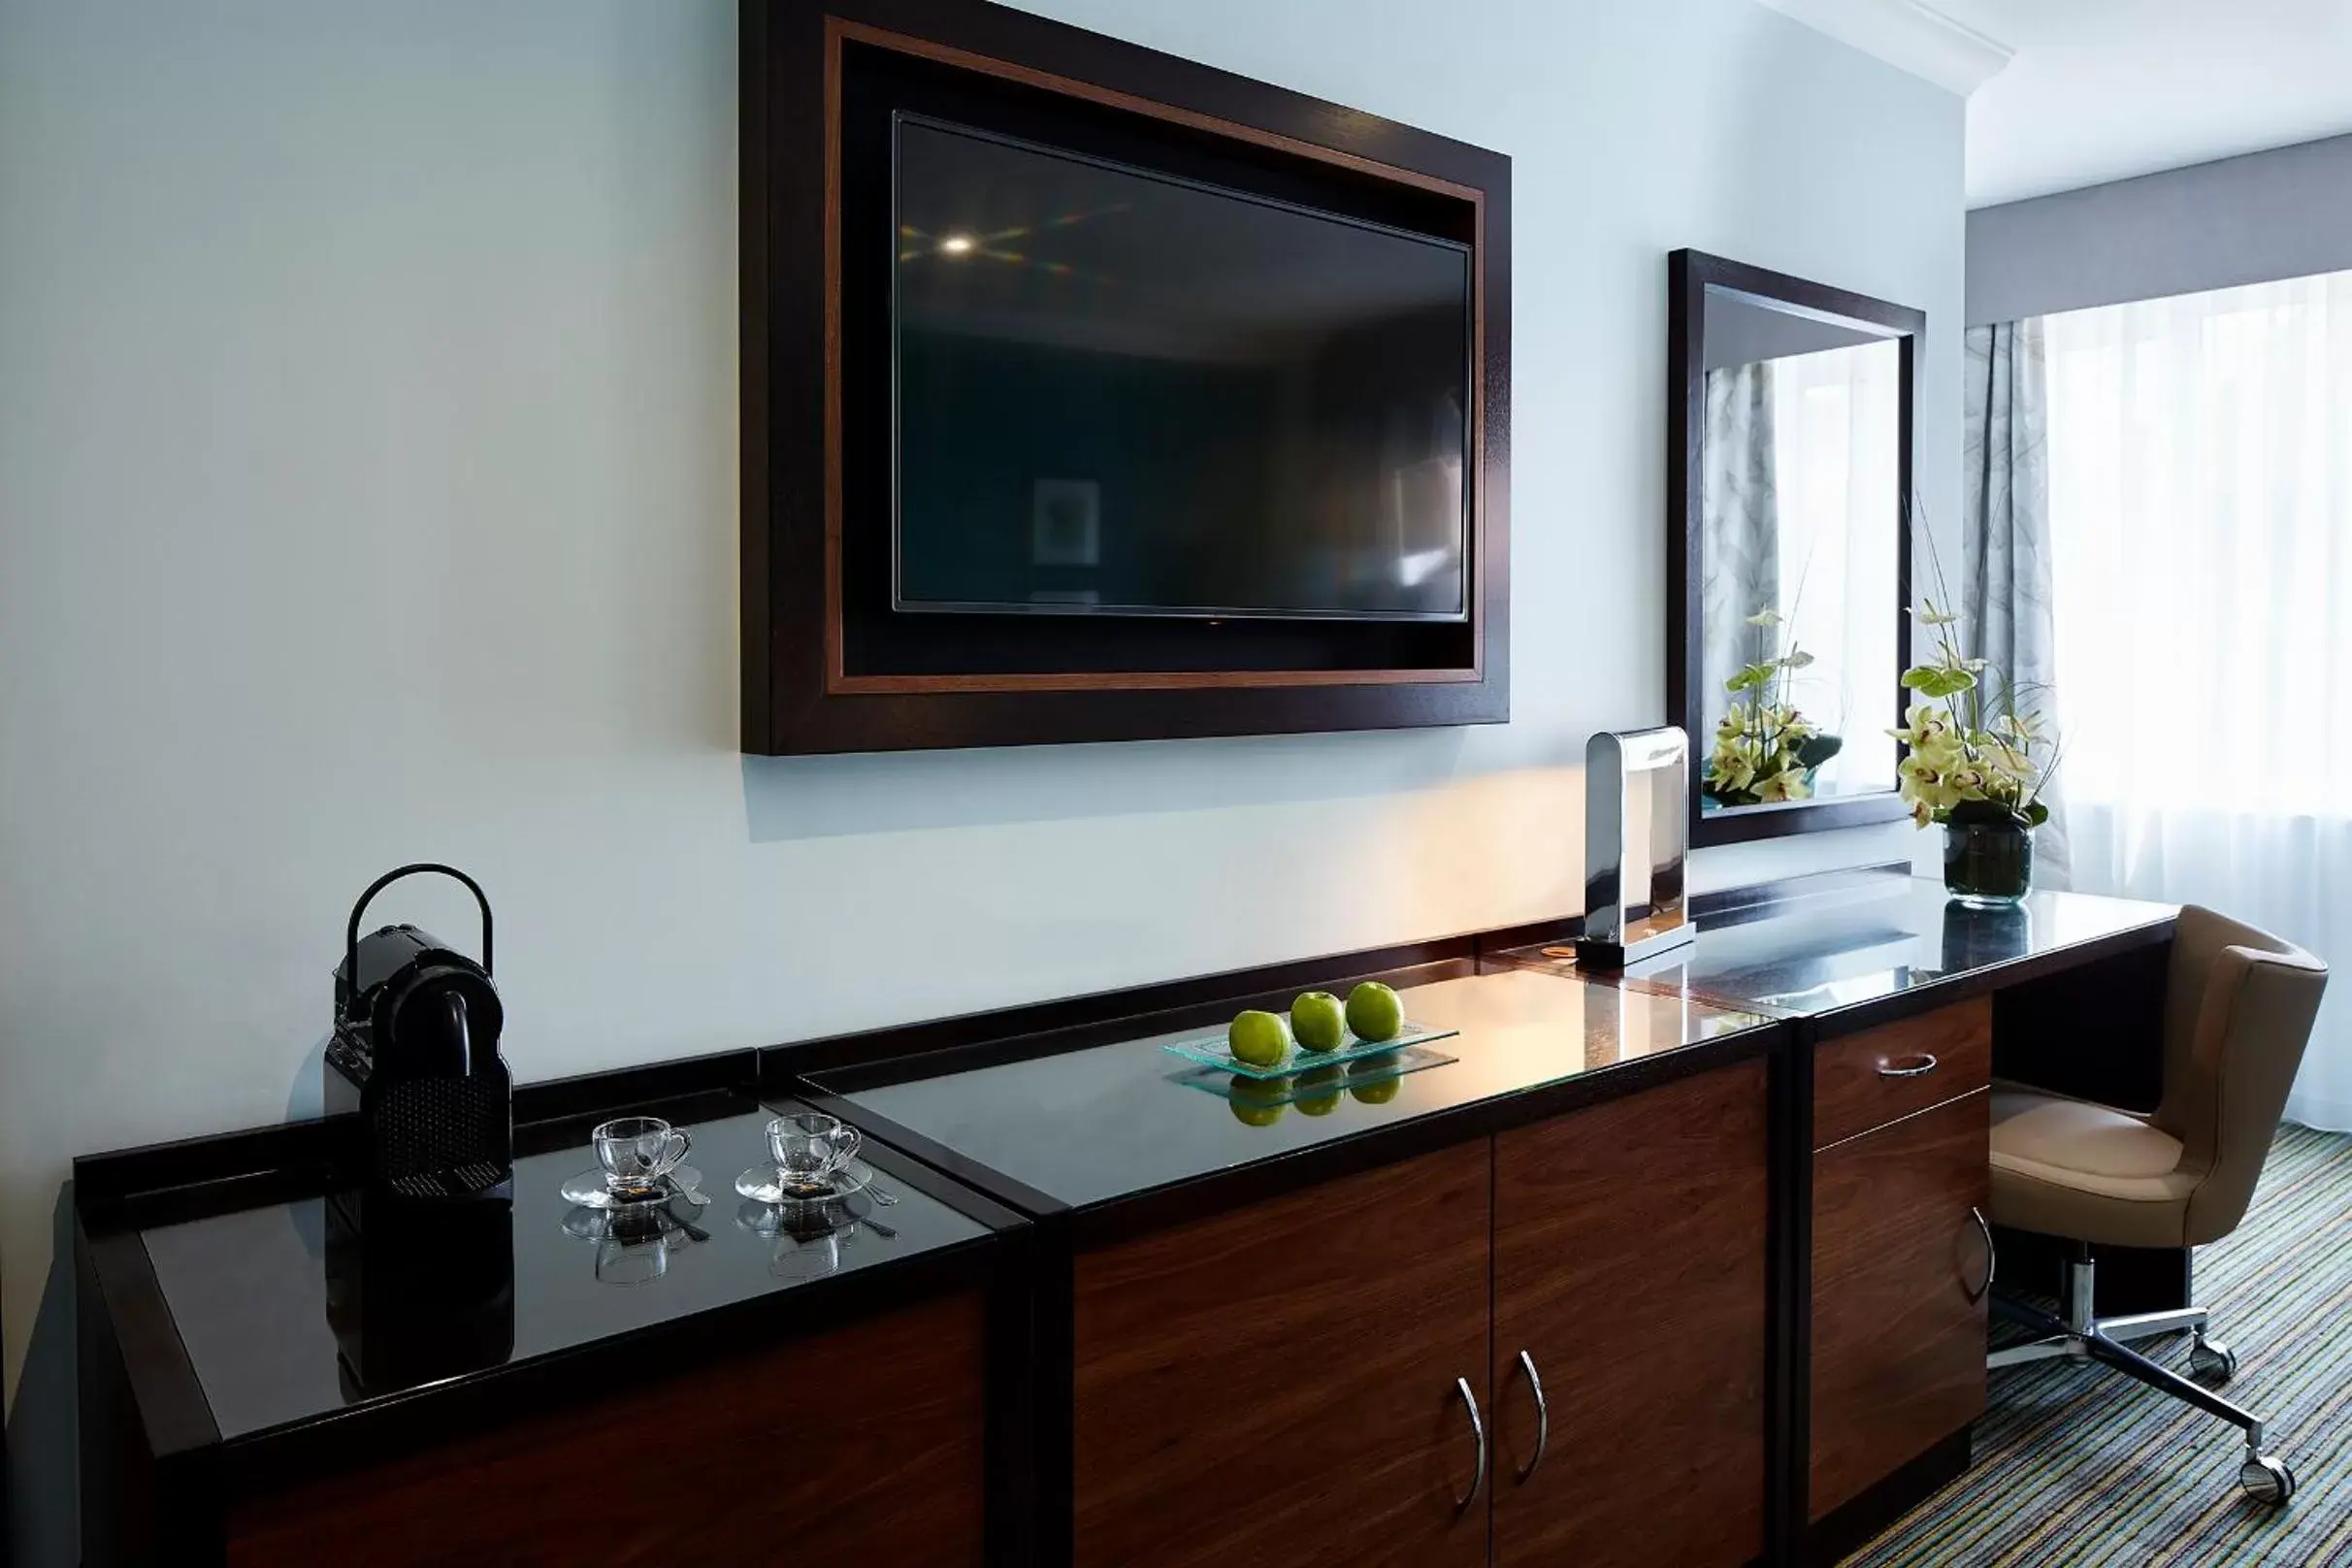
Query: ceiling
2105	89
2094	90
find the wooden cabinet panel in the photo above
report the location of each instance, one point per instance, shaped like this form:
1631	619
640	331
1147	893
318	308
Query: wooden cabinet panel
1853	1092
1277	1385
1629	1262
1898	1344
667	1474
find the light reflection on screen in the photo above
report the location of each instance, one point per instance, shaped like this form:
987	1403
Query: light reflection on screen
1122	393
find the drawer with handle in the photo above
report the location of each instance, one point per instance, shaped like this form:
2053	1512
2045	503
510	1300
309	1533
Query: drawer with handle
1867	1080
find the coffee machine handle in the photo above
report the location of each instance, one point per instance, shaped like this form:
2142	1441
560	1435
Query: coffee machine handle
351	931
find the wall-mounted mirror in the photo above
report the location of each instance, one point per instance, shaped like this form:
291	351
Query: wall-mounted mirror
1790	462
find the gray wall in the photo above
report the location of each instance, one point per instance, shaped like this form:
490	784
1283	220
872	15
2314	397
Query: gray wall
367	494
2251	220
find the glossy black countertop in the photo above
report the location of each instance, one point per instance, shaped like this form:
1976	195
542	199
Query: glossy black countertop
1825	956
249	1290
1093	1125
217	1260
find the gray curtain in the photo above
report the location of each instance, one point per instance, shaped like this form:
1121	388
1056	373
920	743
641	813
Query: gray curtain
2005	604
1740	540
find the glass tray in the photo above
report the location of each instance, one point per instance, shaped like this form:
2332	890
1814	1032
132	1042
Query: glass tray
1209	1050
1318	1081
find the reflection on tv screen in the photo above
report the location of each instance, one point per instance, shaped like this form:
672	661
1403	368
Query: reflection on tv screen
1123	393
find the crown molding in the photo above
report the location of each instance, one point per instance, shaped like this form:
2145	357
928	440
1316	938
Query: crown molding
1910	35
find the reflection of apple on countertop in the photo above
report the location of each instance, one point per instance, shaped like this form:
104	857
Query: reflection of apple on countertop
1319	1091
1256	1101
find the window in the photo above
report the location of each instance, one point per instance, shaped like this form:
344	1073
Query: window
2200	459
2201	523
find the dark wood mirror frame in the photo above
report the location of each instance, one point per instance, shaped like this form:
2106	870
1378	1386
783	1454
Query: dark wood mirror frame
826	669
1690	275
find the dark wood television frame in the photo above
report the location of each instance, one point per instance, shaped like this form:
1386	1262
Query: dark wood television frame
800	695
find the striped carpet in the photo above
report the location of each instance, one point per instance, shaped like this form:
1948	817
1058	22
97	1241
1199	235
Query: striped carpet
2076	1466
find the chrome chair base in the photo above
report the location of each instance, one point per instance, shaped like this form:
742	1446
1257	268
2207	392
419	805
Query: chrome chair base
2208	1358
2083	1338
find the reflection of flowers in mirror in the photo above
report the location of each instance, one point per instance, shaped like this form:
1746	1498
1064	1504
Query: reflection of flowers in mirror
1977	752
1765	748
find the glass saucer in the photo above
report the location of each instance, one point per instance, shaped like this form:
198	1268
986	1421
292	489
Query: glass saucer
765	1183
589	1192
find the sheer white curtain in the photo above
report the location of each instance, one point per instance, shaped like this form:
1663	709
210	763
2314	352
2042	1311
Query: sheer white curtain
1835	419
2201	515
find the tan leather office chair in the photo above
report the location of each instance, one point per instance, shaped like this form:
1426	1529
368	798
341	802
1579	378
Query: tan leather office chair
2238	1012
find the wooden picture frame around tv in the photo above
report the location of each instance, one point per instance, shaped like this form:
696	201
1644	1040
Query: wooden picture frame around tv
828	666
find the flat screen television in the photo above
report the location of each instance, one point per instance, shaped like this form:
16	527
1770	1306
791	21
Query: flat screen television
1120	392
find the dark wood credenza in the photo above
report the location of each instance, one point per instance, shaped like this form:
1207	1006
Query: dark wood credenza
1119	1320
1304	1358
877	1430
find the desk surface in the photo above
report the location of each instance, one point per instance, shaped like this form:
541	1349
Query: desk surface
1091	1127
1087	1126
1828	955
249	1290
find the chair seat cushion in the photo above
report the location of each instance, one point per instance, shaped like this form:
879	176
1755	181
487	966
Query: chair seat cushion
2068	1168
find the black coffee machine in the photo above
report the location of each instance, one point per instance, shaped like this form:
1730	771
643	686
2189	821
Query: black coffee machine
414	1053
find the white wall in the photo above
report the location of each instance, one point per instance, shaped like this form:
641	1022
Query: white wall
367	492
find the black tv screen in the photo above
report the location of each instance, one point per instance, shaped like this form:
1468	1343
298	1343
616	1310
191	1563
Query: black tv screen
1120	392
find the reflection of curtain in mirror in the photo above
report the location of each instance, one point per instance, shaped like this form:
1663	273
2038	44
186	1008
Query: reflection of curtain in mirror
1738	553
2201	518
1838	422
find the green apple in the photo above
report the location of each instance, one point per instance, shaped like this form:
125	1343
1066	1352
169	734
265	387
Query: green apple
1259	1039
1318	1020
1379	1093
1319	1089
1374	1013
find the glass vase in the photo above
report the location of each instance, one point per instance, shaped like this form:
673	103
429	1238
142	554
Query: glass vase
1988	864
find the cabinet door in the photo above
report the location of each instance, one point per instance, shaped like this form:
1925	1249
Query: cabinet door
1899	1273
666	1475
1629	1266
1277	1385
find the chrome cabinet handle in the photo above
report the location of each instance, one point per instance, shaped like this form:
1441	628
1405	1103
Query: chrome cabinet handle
1543	1415
1921	1065
1478	1429
1992	1259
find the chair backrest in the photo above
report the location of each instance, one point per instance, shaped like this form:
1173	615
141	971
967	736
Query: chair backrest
2238	1008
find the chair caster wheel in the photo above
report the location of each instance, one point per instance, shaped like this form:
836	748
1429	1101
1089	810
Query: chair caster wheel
2267	1481
2213	1360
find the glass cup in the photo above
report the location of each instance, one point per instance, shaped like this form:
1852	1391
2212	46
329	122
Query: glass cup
637	1151
810	1148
